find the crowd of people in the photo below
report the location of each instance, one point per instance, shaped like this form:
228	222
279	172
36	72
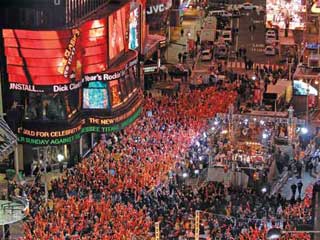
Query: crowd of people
130	181
122	170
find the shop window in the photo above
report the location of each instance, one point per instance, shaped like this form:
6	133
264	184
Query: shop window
39	106
115	92
50	156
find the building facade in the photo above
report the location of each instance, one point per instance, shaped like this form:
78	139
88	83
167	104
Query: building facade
69	73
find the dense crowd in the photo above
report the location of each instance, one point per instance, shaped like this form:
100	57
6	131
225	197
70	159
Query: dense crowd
122	170
123	187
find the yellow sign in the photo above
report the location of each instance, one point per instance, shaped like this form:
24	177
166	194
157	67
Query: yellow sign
157	231
197	226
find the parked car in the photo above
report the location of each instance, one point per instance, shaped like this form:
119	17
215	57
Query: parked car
271	36
178	70
221	52
270	50
227	36
206	55
247	6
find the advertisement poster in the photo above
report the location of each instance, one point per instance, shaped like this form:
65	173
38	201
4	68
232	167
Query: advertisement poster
158	13
42	57
134	29
285	14
96	96
117	33
39	61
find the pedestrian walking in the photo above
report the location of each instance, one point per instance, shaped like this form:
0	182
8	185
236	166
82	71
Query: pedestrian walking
182	32
180	57
293	190
299	168
300	185
184	57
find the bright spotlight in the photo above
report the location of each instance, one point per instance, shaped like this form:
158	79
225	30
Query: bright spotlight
304	130
213	128
196	171
261	122
60	157
264	190
254	78
254	119
185	175
216	123
264	135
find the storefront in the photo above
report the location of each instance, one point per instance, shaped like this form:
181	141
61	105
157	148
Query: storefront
73	85
152	59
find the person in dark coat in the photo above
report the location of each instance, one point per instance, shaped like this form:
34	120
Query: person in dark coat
293	190
300	185
180	57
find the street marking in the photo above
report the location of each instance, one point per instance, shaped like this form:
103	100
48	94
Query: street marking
254	49
241	65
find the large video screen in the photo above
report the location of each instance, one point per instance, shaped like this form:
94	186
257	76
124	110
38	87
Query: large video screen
117	32
46	58
134	29
286	14
42	57
96	96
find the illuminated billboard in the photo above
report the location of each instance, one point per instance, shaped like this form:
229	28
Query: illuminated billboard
285	14
117	32
158	13
96	96
134	29
38	60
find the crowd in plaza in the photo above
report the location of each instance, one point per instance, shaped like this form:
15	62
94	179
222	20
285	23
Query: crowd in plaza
122	170
123	187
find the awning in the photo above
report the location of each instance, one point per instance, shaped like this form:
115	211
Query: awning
152	43
8	140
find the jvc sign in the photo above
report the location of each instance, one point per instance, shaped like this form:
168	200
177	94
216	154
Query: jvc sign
155	7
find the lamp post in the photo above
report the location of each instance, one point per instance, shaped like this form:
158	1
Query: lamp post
307	104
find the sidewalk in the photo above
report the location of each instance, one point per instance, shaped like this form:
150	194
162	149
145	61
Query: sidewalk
306	180
178	43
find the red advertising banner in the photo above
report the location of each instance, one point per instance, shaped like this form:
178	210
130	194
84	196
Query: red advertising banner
46	58
118	31
37	60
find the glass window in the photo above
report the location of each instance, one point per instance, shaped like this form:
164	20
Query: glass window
39	106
